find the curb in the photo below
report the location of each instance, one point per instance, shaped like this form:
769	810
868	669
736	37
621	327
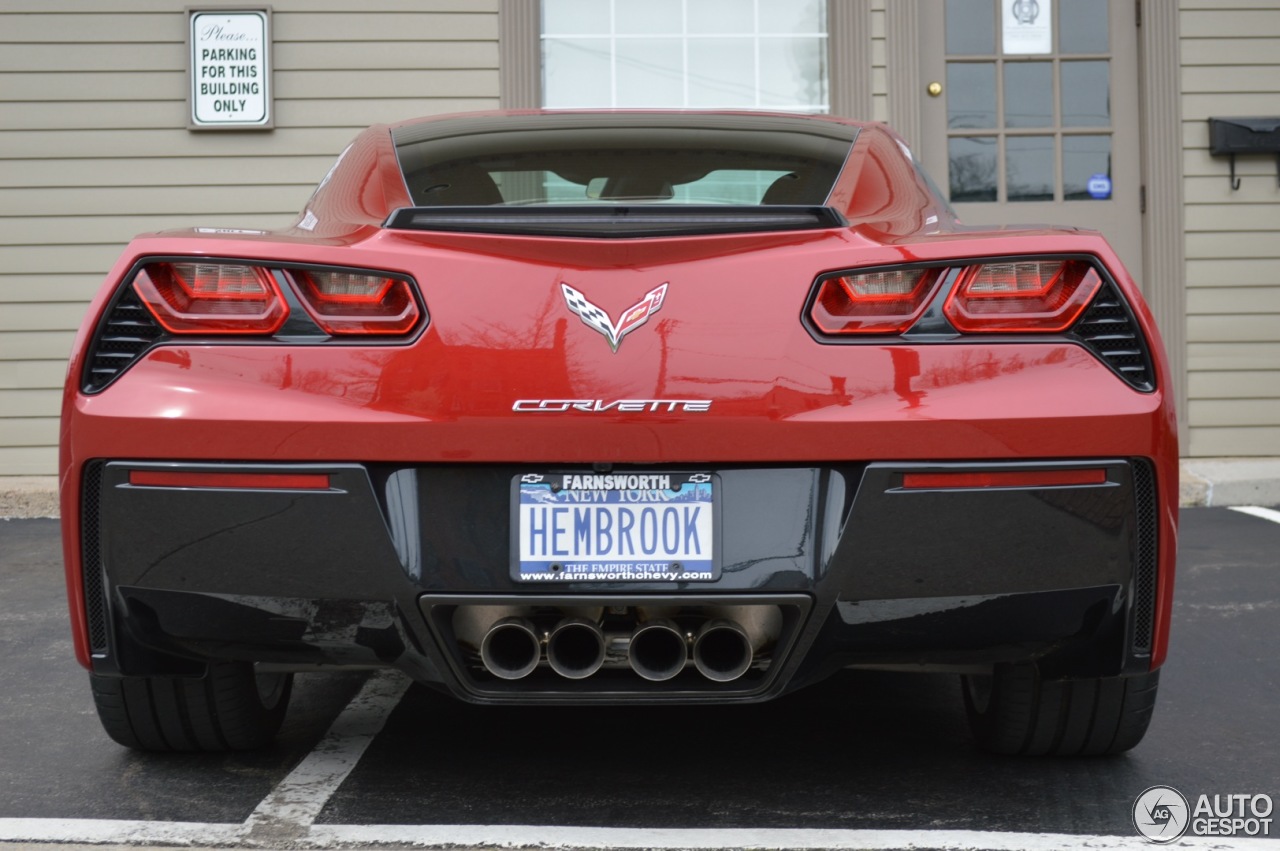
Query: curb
1230	481
27	497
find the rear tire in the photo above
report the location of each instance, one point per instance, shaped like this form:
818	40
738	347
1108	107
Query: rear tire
231	708
1015	711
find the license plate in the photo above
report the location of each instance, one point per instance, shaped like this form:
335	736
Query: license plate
615	527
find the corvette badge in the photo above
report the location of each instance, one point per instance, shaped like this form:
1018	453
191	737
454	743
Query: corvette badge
596	318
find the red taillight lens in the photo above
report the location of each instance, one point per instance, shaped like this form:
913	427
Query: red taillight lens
243	481
878	302
1000	479
1021	296
211	298
357	303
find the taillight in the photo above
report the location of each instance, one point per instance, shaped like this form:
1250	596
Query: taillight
344	302
1012	296
1018	295
249	298
211	298
877	302
225	297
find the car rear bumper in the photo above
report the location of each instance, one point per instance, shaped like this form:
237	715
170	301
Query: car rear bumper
386	565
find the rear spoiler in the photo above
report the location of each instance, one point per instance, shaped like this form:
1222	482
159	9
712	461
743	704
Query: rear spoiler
616	222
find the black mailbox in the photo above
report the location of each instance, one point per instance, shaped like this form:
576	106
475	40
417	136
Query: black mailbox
1231	136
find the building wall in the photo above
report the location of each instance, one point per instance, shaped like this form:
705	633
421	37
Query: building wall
94	149
1231	67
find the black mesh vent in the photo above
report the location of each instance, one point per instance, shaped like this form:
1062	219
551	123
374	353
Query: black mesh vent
129	330
1110	332
91	558
1144	586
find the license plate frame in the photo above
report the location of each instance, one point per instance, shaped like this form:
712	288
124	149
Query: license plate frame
615	528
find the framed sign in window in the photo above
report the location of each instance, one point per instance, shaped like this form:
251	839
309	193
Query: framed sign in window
229	70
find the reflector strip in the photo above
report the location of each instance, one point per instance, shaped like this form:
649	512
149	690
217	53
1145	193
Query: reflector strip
1005	479
249	481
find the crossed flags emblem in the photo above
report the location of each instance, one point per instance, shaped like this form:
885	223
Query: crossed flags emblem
595	317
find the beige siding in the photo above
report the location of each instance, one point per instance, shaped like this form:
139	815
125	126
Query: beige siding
29	460
1231	67
93	149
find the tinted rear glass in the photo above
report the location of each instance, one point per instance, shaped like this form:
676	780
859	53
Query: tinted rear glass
579	159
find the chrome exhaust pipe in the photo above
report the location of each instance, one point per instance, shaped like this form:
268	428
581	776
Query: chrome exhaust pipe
511	648
729	641
658	650
762	624
471	623
722	651
575	648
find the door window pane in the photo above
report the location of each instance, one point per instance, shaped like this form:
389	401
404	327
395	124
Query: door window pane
1011	116
1086	94
972	165
1029	168
971	101
1082	26
971	27
1083	158
1028	94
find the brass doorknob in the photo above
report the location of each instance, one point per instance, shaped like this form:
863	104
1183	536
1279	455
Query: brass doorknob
934	89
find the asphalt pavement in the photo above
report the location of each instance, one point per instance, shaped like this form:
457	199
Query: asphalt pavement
865	751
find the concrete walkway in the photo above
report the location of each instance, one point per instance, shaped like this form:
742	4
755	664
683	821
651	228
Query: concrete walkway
1230	481
28	496
1205	482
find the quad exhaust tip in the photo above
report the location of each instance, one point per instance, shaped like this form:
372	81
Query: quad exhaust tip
723	648
722	651
575	648
658	650
511	649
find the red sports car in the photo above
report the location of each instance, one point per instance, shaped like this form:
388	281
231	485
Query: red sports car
642	407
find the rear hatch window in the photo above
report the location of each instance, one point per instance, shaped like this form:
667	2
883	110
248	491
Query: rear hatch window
592	173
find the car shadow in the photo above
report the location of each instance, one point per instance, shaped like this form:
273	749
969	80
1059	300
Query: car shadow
865	749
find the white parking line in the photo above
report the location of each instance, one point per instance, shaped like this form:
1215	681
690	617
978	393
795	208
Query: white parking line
103	832
664	839
296	801
1258	511
119	832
